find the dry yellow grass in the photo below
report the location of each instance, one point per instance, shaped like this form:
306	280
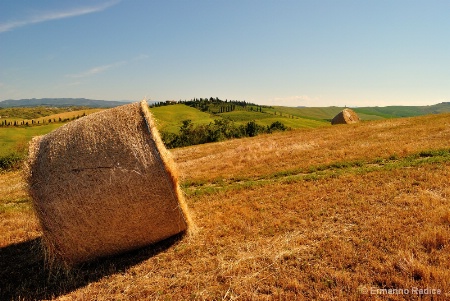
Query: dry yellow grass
336	237
304	148
16	219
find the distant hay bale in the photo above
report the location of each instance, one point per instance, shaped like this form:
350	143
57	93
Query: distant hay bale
105	184
346	116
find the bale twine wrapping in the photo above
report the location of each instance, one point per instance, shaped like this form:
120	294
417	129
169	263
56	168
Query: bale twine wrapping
346	116
104	184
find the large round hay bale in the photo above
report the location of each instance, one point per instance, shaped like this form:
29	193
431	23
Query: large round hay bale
105	184
346	116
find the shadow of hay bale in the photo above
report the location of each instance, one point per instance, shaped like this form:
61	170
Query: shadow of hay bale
25	276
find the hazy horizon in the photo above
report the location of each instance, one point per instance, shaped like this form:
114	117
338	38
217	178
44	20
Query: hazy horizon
155	101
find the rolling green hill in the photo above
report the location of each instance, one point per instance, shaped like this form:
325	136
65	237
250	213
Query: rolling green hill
19	113
405	111
323	114
15	139
267	117
169	118
319	113
365	113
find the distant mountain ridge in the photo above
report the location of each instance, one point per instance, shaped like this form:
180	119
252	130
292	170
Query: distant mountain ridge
61	102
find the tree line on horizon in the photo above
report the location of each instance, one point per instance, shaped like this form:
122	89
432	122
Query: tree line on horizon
214	105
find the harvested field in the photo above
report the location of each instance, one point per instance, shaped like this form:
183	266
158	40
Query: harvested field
324	220
308	148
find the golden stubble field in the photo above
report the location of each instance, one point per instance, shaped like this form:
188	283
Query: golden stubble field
339	213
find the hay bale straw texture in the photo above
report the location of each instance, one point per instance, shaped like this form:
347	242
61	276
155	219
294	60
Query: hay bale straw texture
346	116
105	184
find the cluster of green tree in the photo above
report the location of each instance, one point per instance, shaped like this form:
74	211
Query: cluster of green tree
284	115
257	109
219	130
204	103
33	122
214	105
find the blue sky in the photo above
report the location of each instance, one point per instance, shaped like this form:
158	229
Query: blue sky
292	53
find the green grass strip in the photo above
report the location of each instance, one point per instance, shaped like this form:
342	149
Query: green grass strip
313	173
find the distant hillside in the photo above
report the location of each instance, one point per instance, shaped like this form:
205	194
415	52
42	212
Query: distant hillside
366	113
169	118
61	102
405	111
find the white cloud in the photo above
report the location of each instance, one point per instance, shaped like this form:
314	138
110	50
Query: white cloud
55	15
96	70
103	68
